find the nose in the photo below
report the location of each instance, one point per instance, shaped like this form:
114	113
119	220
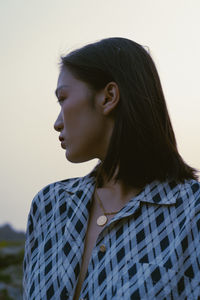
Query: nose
58	125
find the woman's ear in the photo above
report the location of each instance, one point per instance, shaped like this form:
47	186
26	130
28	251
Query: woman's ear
110	98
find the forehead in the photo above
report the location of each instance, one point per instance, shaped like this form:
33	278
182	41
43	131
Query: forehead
65	77
65	80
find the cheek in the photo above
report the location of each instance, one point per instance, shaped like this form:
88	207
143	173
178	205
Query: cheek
80	119
82	124
70	116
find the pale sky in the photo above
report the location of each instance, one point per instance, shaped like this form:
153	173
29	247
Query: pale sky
35	33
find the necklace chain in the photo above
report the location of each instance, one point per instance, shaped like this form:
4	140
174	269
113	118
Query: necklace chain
102	207
102	220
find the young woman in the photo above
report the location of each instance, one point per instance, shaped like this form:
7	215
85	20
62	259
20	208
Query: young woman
131	228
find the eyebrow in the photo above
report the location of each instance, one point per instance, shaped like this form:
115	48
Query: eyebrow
59	88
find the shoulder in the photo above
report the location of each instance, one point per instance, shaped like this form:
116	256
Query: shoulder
50	205
52	192
190	189
58	187
70	185
188	204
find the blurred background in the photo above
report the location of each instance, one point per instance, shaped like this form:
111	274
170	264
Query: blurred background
33	36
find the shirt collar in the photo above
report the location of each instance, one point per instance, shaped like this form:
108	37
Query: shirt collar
160	193
156	192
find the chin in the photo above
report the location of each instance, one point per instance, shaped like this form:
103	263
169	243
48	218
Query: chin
71	157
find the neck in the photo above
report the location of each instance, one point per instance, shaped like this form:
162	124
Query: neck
120	191
116	191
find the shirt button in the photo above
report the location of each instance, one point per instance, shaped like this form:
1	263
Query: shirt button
103	248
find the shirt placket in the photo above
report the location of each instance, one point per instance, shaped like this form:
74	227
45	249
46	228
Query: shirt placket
102	244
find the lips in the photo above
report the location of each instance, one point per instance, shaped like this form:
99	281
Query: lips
61	138
63	145
62	142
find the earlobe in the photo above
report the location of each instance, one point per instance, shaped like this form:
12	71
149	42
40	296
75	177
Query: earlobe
111	98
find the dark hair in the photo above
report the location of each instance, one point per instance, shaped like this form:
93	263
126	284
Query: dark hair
143	143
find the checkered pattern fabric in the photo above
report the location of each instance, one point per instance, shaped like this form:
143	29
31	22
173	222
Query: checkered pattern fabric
152	246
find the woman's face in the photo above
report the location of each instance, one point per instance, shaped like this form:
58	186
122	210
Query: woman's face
82	127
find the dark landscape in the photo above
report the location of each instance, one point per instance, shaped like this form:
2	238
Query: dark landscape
11	259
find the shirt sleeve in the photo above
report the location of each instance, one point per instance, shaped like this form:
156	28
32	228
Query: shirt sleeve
190	245
32	231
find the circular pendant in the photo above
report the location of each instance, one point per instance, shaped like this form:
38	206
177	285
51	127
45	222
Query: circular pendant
102	220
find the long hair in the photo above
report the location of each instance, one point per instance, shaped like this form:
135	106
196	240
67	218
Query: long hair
142	146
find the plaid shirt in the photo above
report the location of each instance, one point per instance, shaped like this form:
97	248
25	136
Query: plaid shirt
149	250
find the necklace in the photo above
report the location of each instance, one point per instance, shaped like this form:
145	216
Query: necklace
102	220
